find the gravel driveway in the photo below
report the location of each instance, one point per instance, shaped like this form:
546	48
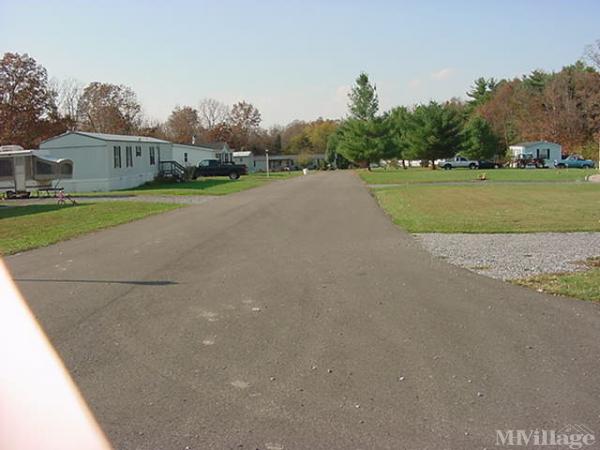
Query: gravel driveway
510	256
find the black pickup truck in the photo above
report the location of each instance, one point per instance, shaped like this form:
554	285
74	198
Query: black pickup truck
215	168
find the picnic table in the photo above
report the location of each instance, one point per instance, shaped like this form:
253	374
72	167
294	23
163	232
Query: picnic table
50	192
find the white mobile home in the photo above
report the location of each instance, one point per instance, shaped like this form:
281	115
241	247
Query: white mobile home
546	153
258	163
104	162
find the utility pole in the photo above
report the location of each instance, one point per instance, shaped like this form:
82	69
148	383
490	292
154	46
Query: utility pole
267	153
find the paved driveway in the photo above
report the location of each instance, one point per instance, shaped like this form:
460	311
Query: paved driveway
297	316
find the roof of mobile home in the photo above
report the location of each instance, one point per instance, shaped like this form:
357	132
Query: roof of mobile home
533	143
112	137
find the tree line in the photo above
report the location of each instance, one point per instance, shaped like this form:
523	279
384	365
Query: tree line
34	107
561	106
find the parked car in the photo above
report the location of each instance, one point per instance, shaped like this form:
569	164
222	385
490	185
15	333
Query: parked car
482	164
457	161
574	161
216	168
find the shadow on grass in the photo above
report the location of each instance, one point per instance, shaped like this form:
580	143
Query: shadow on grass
18	211
197	185
133	282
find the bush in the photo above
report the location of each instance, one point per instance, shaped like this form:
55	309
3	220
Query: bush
588	151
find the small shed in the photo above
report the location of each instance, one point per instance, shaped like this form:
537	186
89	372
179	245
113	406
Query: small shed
539	153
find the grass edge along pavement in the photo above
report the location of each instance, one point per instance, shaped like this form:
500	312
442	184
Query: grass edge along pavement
584	285
33	226
425	175
571	210
492	208
201	186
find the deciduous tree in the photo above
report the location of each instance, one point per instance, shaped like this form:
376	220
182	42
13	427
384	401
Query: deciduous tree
183	125
68	92
27	107
244	120
212	112
108	108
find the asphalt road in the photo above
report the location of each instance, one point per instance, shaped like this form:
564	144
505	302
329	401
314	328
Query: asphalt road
297	316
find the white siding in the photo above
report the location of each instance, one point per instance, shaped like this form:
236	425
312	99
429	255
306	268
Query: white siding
554	150
93	163
195	154
89	156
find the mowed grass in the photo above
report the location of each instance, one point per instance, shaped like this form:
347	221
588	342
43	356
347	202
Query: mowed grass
499	208
27	227
583	285
203	186
424	175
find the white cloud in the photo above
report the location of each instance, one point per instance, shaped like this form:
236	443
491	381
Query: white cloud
443	74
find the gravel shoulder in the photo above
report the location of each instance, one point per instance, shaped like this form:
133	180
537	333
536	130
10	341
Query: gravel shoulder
512	256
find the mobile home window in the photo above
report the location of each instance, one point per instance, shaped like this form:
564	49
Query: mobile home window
185	157
152	156
128	157
66	169
138	150
43	168
117	156
6	168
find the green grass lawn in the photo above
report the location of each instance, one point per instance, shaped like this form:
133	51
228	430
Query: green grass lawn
493	208
204	186
583	285
27	227
420	175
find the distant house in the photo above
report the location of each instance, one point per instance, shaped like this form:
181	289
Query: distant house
547	153
222	150
258	163
246	158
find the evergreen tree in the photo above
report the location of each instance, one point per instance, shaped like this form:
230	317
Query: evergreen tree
364	102
536	81
398	119
481	91
364	138
332	156
480	140
433	132
365	141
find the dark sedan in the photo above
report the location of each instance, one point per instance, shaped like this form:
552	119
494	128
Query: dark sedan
489	165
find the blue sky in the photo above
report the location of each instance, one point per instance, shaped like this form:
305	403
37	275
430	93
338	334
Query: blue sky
295	59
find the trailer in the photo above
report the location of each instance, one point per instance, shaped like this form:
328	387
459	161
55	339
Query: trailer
25	171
